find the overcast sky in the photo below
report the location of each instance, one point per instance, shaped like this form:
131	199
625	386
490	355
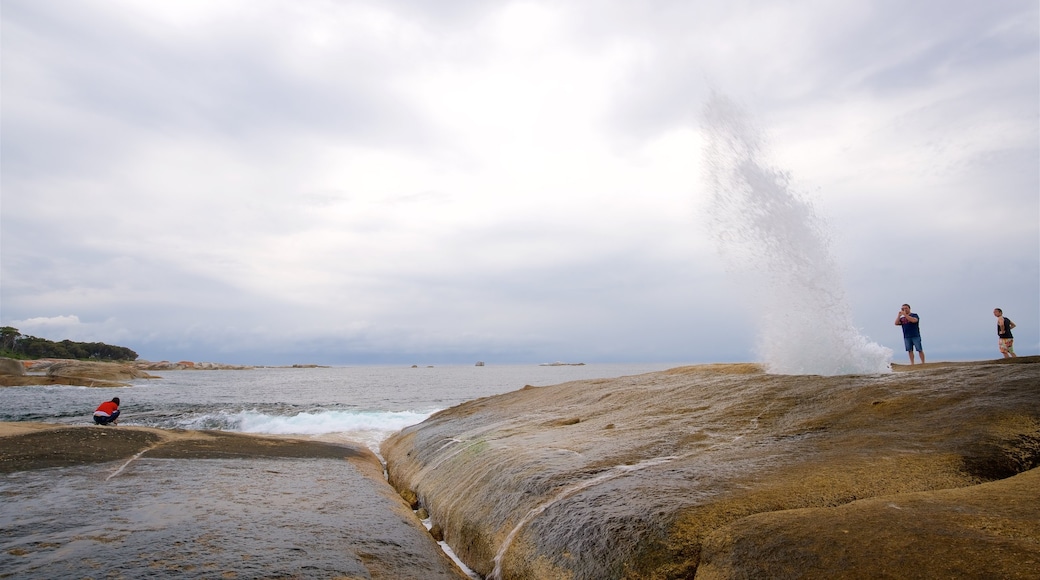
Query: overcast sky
405	181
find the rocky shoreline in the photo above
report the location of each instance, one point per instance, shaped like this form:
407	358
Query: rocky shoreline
707	472
726	472
14	373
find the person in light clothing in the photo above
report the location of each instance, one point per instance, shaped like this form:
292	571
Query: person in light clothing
1005	340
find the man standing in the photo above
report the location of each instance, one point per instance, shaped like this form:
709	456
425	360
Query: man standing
1005	340
107	412
911	331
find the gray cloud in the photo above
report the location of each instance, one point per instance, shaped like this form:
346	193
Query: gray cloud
352	182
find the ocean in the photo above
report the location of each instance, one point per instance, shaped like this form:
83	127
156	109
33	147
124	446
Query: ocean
364	404
234	518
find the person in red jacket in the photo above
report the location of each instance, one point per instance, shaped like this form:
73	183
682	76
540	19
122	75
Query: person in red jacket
107	412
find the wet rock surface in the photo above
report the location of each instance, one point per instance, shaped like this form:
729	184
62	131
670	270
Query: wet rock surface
56	446
60	447
135	502
723	471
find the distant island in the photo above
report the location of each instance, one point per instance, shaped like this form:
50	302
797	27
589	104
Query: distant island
562	364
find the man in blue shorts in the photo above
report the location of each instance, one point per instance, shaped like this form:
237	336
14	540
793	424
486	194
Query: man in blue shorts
911	331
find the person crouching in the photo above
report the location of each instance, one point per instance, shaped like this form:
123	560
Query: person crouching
107	412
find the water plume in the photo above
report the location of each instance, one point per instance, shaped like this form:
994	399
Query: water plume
768	232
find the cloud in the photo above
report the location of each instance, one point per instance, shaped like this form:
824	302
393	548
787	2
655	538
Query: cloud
383	181
54	322
70	327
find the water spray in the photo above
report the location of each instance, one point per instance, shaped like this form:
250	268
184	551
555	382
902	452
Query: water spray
765	230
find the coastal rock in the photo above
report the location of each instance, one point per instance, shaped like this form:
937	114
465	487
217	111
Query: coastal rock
724	471
74	372
984	531
96	370
186	365
11	367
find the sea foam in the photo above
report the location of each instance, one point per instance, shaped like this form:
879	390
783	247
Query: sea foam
358	425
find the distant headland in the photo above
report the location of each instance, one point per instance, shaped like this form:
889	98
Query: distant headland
52	371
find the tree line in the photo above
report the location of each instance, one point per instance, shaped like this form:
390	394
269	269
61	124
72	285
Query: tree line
13	344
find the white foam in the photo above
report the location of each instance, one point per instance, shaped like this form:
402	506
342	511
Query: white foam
322	422
769	233
369	427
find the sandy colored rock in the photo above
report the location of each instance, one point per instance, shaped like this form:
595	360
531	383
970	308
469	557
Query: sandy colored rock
77	373
631	477
984	531
9	366
106	371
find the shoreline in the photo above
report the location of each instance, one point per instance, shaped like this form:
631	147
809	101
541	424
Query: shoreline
624	445
70	372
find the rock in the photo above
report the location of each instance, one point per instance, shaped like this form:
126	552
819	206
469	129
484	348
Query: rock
97	370
983	531
724	471
437	533
10	366
186	365
76	372
103	374
410	498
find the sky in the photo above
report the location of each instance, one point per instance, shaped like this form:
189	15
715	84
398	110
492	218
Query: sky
411	182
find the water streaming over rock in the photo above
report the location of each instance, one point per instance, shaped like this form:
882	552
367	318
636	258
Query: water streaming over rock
765	230
612	473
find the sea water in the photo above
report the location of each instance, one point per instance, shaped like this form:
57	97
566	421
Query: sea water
364	404
772	238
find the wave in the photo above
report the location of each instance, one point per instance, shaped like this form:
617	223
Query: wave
321	422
